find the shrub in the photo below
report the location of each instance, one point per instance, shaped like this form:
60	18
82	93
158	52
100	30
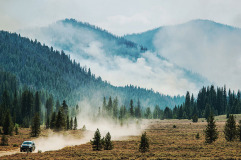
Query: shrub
15	145
197	136
195	118
84	128
144	145
174	126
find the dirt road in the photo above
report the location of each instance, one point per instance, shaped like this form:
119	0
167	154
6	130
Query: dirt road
5	153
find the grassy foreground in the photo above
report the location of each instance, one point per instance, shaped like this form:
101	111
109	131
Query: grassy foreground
166	142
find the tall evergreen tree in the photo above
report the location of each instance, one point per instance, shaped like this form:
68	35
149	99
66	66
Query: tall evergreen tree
131	108
47	125
115	108
188	105
65	108
97	142
211	133
230	130
75	123
53	120
60	120
37	103
71	123
104	106
108	145
8	124
138	109
67	123
35	127
109	106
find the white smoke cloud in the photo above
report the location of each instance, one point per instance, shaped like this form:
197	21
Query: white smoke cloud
211	50
148	71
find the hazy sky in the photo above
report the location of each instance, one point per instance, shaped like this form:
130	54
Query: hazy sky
119	17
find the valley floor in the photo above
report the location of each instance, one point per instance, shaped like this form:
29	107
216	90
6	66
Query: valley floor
166	142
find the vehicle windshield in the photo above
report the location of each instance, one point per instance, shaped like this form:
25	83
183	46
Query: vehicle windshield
27	142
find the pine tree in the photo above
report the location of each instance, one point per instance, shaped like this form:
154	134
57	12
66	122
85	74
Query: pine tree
37	103
71	123
107	142
97	142
144	145
211	133
47	125
53	121
75	123
230	130
35	127
109	106
104	106
239	130
65	108
8	124
4	140
67	123
16	129
115	108
60	120
131	108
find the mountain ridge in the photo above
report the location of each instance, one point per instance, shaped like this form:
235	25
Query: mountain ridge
111	56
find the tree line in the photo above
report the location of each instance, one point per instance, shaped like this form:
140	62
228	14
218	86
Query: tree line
209	100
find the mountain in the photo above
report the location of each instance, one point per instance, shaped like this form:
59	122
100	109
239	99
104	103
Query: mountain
203	46
42	68
116	59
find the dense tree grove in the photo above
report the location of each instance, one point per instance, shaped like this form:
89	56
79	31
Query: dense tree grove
209	100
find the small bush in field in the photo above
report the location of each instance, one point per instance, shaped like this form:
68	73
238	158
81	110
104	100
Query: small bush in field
197	136
144	146
4	140
15	145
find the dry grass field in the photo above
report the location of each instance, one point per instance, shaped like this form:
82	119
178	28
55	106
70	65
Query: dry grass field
166	142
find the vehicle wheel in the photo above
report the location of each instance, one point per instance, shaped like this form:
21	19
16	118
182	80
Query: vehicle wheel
21	150
30	150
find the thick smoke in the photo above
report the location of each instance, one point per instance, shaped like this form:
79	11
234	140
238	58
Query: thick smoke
205	47
91	50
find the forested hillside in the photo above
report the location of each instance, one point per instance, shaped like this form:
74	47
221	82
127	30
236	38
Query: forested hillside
42	68
115	59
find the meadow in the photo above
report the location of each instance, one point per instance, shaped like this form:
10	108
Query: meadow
168	139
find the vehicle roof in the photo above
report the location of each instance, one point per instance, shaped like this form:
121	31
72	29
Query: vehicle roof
28	141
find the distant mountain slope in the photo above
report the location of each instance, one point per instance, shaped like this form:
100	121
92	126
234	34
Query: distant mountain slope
205	47
116	59
43	68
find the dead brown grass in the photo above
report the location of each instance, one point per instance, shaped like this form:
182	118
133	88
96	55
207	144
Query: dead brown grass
166	142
